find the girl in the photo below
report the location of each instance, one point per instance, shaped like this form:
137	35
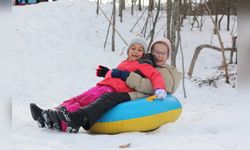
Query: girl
114	82
87	116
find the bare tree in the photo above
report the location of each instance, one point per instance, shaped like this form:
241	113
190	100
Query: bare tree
132	7
150	5
169	17
120	9
197	52
174	29
148	20
139	5
110	21
154	23
97	8
228	15
138	20
196	13
221	44
184	11
108	30
234	49
219	24
113	29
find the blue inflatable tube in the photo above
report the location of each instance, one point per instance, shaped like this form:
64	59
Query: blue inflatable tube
138	115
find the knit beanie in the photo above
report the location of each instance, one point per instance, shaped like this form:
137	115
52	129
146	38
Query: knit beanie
138	40
164	41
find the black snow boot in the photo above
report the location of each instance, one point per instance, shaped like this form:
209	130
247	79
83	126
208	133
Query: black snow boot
48	122
53	118
36	113
74	122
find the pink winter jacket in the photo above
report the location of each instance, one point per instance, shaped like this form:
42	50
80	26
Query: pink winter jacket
150	72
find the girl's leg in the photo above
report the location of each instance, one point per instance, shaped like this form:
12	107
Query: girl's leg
50	115
94	94
75	99
83	100
72	108
88	115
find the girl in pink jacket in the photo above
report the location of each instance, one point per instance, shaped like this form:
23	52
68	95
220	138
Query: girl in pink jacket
114	82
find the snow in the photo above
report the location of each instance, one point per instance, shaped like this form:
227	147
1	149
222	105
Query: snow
57	47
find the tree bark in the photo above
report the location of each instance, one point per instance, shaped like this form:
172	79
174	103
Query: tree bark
219	24
150	5
233	49
169	17
120	9
108	30
132	7
174	28
140	8
97	8
113	29
154	24
228	15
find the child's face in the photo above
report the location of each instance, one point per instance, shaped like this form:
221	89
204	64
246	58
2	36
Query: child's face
135	52
160	51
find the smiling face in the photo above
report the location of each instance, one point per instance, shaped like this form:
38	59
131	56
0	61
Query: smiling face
135	52
161	52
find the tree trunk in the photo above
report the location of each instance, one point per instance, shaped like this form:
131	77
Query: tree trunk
97	8
113	29
228	15
174	28
154	24
110	21
108	30
123	4
138	20
150	5
140	8
169	17
221	44
233	49
132	7
184	11
219	24
120	9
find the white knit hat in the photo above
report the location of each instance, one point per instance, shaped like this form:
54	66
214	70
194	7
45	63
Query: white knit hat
164	41
140	41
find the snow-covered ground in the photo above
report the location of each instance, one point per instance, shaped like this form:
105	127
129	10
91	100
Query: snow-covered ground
56	51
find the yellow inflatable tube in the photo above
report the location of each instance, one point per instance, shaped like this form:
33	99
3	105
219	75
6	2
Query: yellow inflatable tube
138	115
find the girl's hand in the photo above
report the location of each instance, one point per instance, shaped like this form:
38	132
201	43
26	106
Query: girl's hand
160	93
101	71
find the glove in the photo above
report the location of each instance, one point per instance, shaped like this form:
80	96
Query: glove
101	71
160	93
116	73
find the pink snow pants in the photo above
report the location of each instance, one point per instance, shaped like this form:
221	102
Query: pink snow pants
84	99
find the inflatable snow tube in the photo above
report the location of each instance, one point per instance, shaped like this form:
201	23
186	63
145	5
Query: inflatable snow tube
138	115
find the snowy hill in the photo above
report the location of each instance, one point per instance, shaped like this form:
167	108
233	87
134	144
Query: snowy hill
58	47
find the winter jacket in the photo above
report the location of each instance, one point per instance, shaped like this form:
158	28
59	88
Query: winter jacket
147	70
143	86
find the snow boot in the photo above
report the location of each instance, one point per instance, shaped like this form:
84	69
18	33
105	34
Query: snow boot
36	114
48	122
65	116
53	117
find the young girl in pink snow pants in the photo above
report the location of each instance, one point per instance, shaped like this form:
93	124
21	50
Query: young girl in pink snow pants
136	50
